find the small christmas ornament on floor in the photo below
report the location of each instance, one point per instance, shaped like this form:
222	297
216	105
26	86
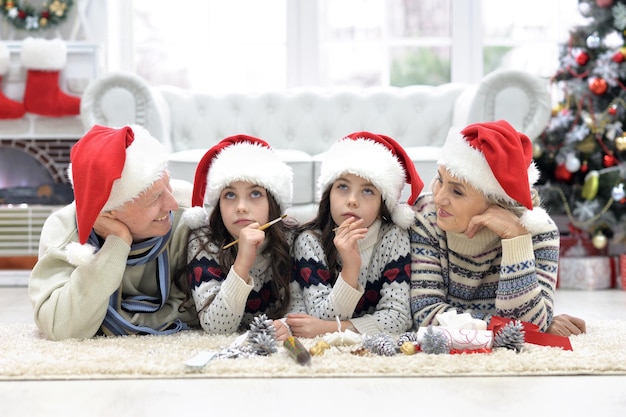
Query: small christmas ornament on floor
262	336
260	340
381	344
510	336
435	342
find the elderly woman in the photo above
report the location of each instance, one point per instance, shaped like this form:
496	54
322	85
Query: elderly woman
481	243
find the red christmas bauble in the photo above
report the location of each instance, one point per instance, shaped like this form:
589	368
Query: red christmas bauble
618	57
582	58
604	3
613	109
598	86
562	174
609	161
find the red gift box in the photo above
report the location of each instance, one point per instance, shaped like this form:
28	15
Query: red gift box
587	272
621	282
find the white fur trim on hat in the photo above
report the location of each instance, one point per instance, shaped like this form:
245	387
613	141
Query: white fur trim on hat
43	54
370	160
146	162
469	164
536	220
403	216
77	254
195	217
5	61
254	163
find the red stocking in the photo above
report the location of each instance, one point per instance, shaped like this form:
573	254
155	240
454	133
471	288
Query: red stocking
44	60
43	95
9	109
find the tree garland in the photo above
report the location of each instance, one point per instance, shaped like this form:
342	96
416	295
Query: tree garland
32	20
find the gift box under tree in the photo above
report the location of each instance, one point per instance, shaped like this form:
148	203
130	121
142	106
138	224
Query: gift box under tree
584	266
587	272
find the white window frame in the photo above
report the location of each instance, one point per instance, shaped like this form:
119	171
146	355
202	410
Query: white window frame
467	44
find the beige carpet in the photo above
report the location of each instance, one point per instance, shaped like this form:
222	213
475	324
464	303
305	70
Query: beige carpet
25	355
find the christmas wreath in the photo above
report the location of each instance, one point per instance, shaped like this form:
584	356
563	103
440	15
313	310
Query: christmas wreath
30	19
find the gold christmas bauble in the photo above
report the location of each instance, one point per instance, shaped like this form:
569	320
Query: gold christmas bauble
588	145
556	109
599	241
620	143
408	348
537	151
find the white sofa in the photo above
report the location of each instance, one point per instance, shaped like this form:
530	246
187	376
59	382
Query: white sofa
302	123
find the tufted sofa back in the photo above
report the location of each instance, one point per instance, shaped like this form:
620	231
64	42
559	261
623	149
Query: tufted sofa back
311	120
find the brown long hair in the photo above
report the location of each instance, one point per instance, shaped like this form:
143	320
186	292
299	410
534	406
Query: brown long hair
322	226
276	248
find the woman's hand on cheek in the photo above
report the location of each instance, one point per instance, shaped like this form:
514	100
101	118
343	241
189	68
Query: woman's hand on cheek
499	220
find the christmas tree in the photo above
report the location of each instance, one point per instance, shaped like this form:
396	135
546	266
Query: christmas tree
582	152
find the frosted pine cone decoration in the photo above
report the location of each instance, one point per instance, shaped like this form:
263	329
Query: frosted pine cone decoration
435	342
262	336
511	336
407	337
381	344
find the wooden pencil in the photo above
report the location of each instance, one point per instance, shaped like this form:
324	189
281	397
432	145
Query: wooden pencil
265	226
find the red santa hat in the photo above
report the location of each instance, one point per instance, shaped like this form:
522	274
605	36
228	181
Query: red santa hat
109	167
494	158
379	159
238	158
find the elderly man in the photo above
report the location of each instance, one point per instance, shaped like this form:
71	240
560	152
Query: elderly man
110	263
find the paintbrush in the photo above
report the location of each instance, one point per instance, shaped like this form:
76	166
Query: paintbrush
265	226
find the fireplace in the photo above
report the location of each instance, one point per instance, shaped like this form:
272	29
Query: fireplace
33	184
33	171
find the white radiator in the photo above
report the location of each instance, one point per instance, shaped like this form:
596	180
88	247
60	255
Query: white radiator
20	227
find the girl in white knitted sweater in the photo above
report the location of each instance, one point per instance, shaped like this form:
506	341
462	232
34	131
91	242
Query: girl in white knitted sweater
245	185
351	262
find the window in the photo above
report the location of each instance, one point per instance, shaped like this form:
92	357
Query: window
526	34
248	45
211	45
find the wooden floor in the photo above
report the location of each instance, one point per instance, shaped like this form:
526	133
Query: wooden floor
316	397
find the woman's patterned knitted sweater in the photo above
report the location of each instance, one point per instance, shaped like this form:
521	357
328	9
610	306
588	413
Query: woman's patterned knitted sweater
381	301
486	275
